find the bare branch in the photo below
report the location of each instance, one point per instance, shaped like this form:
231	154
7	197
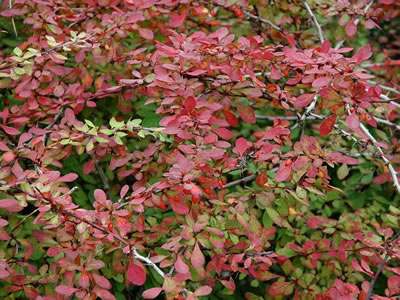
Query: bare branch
309	109
103	177
266	21
287	118
310	12
381	154
382	266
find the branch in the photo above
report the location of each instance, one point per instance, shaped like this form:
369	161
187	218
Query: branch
382	266
320	34
266	21
365	11
103	177
386	122
287	118
239	181
392	171
384	87
310	108
381	154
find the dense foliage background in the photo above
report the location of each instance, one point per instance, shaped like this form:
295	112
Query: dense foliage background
199	149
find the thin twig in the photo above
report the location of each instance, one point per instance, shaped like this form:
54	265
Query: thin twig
266	21
310	108
392	171
13	21
365	11
382	266
103	177
23	220
381	154
287	118
384	87
310	12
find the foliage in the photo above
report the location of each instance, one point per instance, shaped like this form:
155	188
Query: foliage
199	149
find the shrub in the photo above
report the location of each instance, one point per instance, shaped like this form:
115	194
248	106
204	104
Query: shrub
189	149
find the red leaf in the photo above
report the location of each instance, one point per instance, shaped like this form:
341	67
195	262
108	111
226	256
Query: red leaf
88	167
304	100
151	293
197	258
177	20
101	281
291	40
246	113
204	290
321	82
326	46
364	53
65	290
231	118
223	133
136	274
283	173
180	266
241	146
327	125
262	179
394	285
190	103
179	208
146	33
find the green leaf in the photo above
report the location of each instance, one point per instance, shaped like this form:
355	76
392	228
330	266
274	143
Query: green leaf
17	51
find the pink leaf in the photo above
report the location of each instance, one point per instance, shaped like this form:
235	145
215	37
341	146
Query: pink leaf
179	208
10	130
151	293
177	20
88	167
283	173
241	146
124	190
326	46
364	53
146	33
352	121
101	281
223	133
136	274
304	100
11	205
180	266
68	178
100	195
351	28
204	290
197	258
321	82
65	290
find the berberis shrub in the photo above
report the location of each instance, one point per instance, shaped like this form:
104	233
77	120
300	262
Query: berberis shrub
196	149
